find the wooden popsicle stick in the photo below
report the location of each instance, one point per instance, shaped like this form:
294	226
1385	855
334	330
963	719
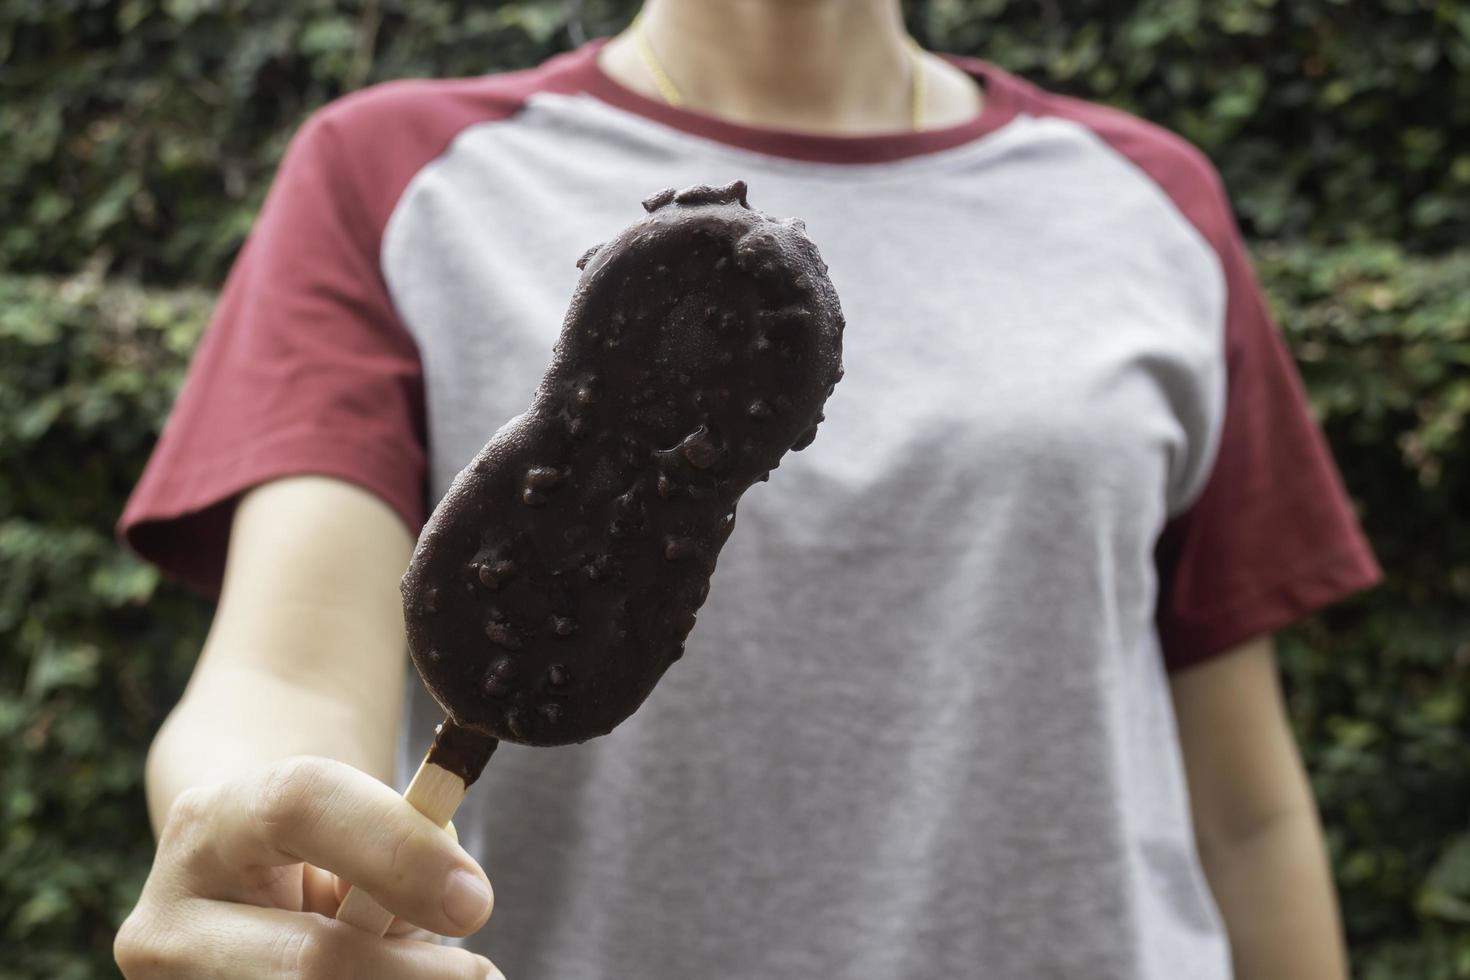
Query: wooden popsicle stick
434	792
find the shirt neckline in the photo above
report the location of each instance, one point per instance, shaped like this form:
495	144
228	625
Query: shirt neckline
997	109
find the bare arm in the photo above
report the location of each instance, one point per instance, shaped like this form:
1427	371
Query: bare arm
302	672
306	653
1259	834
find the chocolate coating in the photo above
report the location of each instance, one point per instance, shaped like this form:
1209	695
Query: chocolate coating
461	751
561	573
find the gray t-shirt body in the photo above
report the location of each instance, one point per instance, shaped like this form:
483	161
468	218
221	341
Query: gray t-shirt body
923	726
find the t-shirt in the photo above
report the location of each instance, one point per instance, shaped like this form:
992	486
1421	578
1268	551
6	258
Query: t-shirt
923	726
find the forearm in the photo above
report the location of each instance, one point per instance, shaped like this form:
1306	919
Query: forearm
1274	888
236	720
1255	820
306	654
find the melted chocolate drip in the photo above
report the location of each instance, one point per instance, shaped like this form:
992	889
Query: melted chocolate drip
461	751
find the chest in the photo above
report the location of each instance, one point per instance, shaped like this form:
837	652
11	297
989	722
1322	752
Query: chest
1025	334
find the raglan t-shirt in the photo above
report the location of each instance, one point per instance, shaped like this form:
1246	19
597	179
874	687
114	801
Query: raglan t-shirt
923	726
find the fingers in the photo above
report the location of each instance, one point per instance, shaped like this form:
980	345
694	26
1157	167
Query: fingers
330	815
331	890
223	941
244	880
321	891
407	930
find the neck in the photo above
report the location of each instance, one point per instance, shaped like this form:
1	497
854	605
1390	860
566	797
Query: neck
838	66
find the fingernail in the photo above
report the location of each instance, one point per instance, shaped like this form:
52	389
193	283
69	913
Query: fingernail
466	899
490	972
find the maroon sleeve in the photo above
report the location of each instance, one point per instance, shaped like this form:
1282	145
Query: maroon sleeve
1272	536
304	369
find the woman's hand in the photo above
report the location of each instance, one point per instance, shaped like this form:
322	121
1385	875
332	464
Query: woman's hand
242	884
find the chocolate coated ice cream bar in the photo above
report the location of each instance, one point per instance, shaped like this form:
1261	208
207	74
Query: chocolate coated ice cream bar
561	573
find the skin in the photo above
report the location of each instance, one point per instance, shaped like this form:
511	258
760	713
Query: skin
266	783
833	67
280	746
1255	821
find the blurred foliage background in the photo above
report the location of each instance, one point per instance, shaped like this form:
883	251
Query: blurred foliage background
138	139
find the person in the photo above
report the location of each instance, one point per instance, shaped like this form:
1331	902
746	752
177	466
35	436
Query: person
985	683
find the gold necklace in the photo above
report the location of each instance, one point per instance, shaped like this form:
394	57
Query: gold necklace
661	79
918	83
